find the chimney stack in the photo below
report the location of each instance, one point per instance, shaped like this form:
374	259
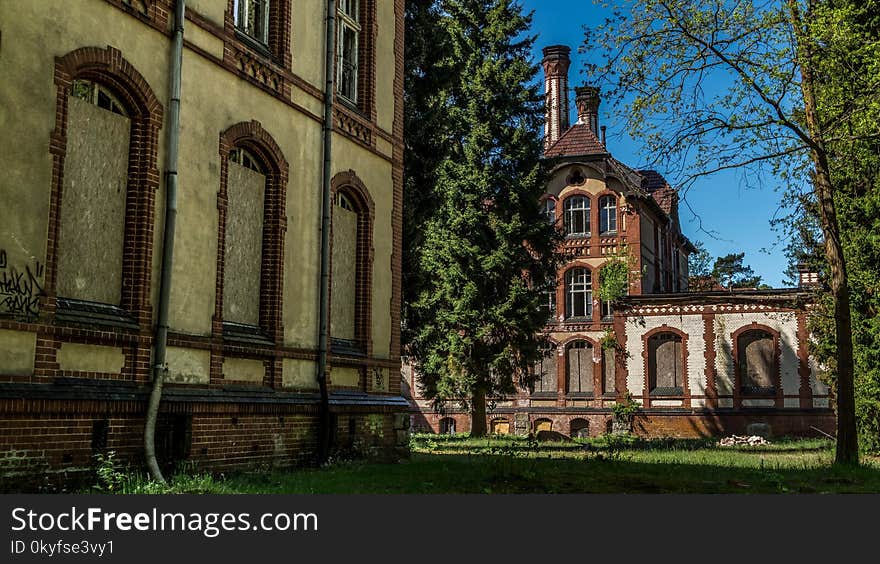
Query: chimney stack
587	102
556	63
806	277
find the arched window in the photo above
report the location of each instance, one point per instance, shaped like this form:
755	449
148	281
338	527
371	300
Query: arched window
577	216
499	426
608	214
579	368
447	426
93	201
579	428
578	293
608	372
665	364
243	258
756	362
251	206
545	373
350	282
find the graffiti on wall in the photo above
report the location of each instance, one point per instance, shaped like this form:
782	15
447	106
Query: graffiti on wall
20	289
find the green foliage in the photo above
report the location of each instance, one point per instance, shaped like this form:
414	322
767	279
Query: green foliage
614	275
485	252
113	478
731	273
625	411
700	269
847	37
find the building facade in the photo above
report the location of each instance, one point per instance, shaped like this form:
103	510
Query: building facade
85	116
675	352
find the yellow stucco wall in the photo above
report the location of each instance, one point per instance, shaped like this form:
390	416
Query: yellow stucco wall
213	99
76	357
188	366
244	369
17	349
299	374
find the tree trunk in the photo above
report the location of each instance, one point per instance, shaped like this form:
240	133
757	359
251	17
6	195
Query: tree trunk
478	414
847	433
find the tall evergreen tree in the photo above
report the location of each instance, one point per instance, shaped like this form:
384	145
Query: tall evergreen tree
487	253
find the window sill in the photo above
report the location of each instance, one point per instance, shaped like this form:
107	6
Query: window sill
667	392
243	333
569	236
579	395
258	47
579	319
543	395
346	347
754	391
81	312
608	234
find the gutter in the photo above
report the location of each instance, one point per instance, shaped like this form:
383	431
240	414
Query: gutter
160	367
324	294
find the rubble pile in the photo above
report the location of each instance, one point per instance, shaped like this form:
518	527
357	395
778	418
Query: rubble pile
736	440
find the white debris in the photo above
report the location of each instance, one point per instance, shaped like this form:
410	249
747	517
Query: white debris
737	440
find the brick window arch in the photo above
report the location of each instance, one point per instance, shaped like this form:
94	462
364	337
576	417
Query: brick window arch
542	424
351	234
756	360
666	365
579	428
251	226
500	426
104	270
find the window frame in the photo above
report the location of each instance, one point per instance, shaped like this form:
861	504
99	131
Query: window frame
607	203
350	22
585	288
240	11
570	212
580	344
651	363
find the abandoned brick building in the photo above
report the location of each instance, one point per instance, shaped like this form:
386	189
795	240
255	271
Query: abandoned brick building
85	106
699	363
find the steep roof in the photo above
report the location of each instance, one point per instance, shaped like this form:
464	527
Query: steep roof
578	141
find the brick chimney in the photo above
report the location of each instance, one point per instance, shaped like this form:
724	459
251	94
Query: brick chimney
806	277
587	103
556	63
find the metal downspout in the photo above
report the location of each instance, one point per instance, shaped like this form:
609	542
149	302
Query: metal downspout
324	299
160	367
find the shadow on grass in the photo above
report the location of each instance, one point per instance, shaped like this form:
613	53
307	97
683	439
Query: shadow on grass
505	474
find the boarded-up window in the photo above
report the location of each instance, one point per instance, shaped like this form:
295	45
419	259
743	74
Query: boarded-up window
579	373
545	372
543	425
93	197
756	360
344	273
500	426
246	188
608	370
665	363
579	428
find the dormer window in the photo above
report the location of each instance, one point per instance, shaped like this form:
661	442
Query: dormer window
252	18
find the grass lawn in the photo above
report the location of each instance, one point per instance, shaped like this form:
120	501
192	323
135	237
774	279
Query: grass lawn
442	464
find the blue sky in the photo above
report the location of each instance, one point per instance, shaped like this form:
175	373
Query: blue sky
738	215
